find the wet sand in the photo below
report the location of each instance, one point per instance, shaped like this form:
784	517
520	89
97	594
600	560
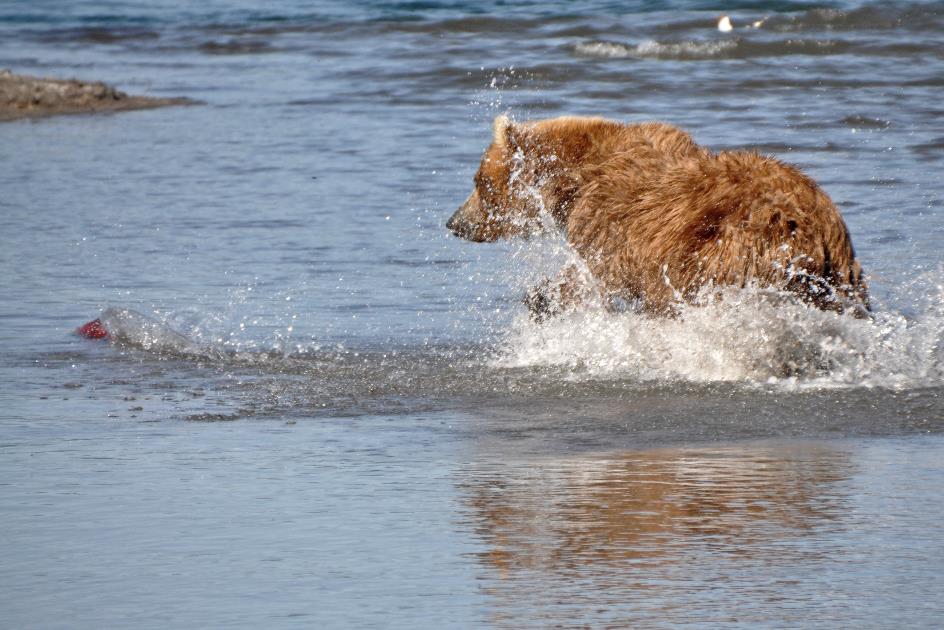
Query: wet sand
23	96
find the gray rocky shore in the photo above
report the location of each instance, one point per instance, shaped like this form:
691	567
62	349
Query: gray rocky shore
23	96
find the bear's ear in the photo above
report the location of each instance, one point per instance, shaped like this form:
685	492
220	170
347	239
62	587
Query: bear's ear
501	129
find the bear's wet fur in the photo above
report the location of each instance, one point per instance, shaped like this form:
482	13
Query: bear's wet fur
655	217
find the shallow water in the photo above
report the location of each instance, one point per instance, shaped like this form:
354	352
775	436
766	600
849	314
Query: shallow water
322	409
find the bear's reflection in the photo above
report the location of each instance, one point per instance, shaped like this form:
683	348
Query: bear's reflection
586	516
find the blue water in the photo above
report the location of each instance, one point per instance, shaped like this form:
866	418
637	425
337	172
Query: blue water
361	427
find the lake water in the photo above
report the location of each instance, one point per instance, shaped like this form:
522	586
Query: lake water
320	409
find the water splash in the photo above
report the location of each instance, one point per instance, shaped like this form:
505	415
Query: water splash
131	327
754	335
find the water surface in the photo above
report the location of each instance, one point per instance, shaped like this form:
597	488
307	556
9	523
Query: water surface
321	409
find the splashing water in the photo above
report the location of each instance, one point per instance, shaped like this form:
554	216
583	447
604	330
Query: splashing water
752	335
756	336
131	327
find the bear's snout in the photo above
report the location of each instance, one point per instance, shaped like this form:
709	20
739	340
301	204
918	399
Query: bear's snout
458	226
455	224
463	224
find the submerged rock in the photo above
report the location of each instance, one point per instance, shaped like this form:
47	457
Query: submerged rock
24	96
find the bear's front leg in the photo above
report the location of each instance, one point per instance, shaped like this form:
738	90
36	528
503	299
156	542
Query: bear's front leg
555	296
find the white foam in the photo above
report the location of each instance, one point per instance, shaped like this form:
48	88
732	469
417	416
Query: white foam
750	335
653	49
604	49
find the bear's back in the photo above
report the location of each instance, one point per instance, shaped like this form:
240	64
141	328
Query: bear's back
662	217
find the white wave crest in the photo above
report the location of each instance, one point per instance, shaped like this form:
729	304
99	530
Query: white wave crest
653	49
604	49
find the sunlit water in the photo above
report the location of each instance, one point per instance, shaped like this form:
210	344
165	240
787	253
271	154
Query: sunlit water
320	409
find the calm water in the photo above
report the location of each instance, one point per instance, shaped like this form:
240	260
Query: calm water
323	410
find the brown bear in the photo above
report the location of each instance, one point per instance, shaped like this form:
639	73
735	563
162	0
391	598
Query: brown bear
655	217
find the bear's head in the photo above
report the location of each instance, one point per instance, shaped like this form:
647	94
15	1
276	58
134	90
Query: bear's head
517	187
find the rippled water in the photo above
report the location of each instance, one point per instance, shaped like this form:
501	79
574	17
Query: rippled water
320	408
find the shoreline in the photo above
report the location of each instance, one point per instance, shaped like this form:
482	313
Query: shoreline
23	96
